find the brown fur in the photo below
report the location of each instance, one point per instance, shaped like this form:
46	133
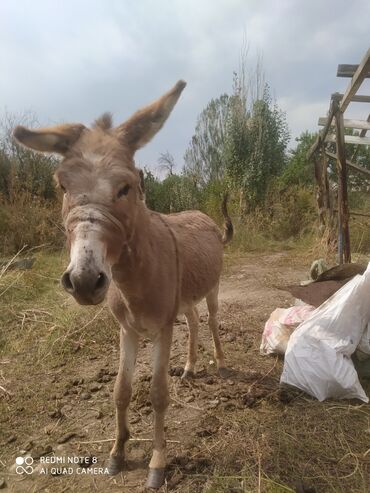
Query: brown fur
158	265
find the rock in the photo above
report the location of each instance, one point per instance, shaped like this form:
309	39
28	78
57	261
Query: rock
28	446
134	419
99	415
11	439
66	409
213	404
176	371
55	414
105	378
230	338
2	483
60	450
41	451
95	387
85	396
175	480
230	406
190	398
65	438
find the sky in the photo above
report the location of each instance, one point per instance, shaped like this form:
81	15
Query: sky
71	60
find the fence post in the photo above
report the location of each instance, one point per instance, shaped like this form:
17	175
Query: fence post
343	212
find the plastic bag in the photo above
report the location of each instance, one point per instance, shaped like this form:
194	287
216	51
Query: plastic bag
363	349
317	359
280	326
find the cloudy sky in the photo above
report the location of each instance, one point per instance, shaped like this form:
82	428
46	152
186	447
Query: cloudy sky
71	60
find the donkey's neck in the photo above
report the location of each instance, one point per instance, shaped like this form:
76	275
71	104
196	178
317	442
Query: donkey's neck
136	264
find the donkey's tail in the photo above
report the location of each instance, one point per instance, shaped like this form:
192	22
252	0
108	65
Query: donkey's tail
228	225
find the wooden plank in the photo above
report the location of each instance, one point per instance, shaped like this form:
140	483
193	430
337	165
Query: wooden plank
361	72
349	139
362	134
343	216
322	134
352	165
360	124
357	98
346	70
364	130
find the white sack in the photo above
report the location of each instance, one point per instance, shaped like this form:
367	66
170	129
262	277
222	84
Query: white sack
280	325
318	359
363	349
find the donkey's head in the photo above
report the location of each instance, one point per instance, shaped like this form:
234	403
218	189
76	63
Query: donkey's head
102	189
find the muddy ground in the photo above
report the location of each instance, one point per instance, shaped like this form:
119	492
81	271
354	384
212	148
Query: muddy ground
238	435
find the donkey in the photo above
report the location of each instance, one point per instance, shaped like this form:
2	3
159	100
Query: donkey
150	266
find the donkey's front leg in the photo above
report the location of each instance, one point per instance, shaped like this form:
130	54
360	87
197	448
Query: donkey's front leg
160	399
122	395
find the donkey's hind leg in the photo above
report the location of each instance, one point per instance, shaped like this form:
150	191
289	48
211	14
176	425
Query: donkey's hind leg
212	303
192	318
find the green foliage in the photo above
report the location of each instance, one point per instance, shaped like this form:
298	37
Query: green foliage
255	146
240	142
204	156
174	194
21	170
299	171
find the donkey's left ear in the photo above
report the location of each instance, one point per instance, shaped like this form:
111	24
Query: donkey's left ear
145	123
57	139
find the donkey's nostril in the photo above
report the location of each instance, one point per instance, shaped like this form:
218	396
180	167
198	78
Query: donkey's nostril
101	281
66	282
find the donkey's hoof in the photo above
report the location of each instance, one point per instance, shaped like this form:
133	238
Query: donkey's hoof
155	478
115	465
187	375
225	372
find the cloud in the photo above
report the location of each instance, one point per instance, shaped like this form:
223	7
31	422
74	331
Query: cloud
74	59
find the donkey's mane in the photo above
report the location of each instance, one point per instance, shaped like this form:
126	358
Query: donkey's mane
104	122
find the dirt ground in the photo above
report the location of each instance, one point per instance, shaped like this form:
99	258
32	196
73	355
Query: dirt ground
243	434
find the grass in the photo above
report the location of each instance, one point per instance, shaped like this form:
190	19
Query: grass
38	314
275	446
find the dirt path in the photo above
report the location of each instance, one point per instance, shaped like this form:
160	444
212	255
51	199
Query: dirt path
222	435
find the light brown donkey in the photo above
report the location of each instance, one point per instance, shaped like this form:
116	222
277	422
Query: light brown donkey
150	266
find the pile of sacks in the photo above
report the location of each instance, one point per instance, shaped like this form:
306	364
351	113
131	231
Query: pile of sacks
318	342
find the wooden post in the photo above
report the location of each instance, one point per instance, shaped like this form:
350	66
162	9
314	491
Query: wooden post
320	194
343	213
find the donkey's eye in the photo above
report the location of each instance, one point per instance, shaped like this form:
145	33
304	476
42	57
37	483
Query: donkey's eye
123	191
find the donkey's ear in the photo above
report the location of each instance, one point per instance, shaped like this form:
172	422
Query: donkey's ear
145	123
53	139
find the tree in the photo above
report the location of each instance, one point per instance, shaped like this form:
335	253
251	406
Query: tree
204	156
166	163
22	170
300	171
256	144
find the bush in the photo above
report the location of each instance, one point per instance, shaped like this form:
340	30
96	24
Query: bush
29	220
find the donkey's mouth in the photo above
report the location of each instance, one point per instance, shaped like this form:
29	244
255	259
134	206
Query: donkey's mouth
89	301
86	290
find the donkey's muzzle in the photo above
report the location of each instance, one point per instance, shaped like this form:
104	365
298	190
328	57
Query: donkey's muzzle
87	289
